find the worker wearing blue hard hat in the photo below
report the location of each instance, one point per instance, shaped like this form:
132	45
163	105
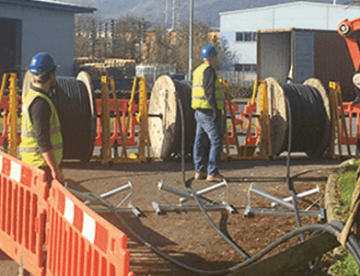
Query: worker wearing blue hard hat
41	139
208	103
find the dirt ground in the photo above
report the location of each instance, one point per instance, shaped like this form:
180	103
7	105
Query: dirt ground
189	237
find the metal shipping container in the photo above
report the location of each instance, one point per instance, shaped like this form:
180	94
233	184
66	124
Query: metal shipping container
302	54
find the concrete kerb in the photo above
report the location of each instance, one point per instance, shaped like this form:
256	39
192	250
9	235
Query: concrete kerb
332	204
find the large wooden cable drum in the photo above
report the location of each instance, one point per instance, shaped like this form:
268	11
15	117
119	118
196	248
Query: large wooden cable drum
74	100
165	119
310	113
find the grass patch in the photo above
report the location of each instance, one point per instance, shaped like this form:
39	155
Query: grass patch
346	265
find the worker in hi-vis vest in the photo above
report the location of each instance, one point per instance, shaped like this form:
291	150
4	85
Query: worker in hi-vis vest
41	140
207	101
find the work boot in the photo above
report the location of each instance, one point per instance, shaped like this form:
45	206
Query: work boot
201	175
215	178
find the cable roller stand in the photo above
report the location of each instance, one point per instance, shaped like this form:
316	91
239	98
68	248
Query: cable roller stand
300	121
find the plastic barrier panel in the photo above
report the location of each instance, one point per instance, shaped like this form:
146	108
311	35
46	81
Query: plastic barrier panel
4	106
251	139
238	122
23	193
80	242
353	111
122	104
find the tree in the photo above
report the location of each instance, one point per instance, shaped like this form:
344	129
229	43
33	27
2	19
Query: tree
129	35
134	38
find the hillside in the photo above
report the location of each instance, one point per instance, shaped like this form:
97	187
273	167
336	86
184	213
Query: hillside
204	10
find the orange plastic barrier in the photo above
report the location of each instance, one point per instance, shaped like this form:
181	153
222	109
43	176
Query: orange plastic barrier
353	110
251	139
80	242
231	138
4	107
23	206
123	106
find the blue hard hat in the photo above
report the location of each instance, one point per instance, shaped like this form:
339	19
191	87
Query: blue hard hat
208	51
41	63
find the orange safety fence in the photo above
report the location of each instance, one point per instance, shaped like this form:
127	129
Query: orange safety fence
251	139
80	242
4	108
23	206
123	109
353	111
235	108
244	115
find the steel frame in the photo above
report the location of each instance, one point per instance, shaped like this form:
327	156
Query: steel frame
250	212
208	204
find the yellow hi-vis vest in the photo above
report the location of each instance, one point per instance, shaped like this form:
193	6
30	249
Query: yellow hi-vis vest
198	98
29	149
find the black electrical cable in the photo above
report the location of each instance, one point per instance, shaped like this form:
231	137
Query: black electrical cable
333	228
308	119
72	102
188	188
352	244
289	182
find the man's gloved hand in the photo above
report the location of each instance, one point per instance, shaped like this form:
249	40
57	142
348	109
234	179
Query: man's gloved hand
216	114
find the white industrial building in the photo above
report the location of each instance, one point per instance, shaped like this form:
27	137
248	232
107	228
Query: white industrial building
239	28
31	26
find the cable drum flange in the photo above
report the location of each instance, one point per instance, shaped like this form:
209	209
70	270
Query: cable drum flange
74	100
310	110
164	118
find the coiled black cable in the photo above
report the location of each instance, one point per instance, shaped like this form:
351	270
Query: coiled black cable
73	104
334	227
308	119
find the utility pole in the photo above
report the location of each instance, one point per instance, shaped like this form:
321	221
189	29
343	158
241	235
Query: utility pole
166	13
173	16
142	30
191	37
112	37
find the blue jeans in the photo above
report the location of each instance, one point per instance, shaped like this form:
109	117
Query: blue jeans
207	131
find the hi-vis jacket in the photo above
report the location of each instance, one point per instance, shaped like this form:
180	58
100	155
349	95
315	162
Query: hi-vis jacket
198	92
29	148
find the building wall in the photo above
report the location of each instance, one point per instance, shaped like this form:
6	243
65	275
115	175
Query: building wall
44	30
303	15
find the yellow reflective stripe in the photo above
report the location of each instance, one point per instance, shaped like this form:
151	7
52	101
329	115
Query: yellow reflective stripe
199	98
29	149
55	130
37	149
58	146
32	134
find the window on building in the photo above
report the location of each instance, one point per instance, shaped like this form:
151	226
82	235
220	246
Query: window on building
239	36
238	67
245	67
246	36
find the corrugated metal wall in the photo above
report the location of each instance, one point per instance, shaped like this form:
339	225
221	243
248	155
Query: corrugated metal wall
303	55
274	55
